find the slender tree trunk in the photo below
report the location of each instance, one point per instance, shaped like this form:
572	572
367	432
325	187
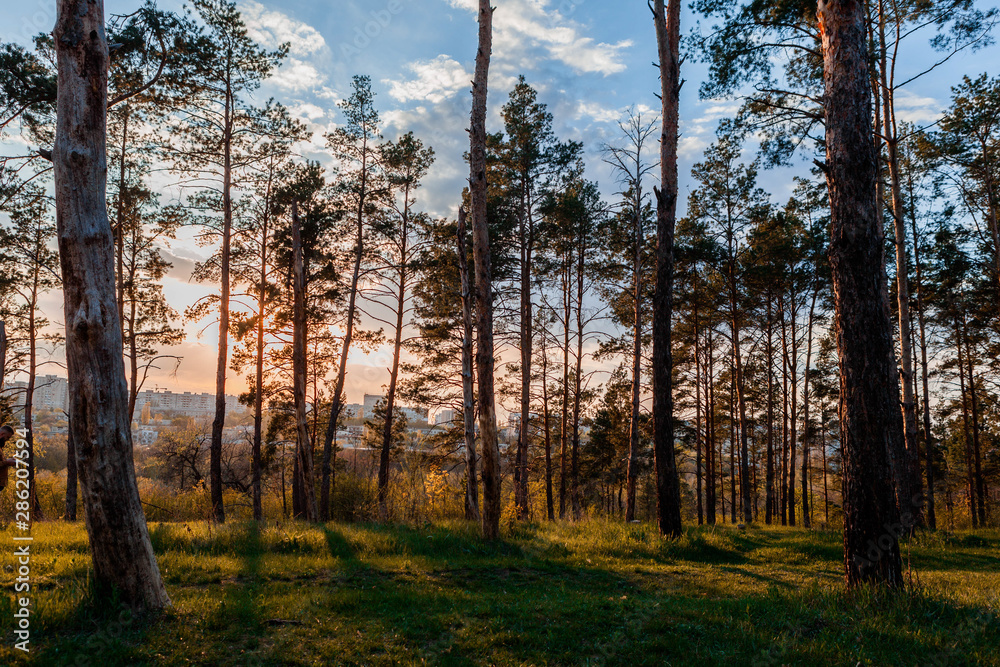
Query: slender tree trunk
732	444
29	399
806	435
924	373
769	475
966	427
697	416
632	472
336	403
468	391
908	478
871	422
258	404
976	440
219	422
547	427
575	500
527	319
793	417
120	224
303	448
121	552
741	405
784	414
709	430
668	498
390	398
484	280
564	417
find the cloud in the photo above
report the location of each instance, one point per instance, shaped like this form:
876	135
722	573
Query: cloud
913	108
436	80
296	75
525	26
272	28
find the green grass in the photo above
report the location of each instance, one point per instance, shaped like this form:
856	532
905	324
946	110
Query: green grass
598	593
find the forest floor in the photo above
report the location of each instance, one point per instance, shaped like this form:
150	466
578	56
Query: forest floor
597	593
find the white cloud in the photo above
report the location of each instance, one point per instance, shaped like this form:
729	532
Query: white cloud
296	75
521	26
307	111
436	80
272	28
913	108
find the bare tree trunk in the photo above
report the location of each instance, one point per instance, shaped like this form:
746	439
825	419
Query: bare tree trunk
219	422
922	323
526	240
908	477
632	472
484	280
667	481
575	501
547	428
468	391
770	503
303	447
806	436
564	417
871	422
970	477
390	398
976	440
697	418
258	404
122	554
329	450
710	496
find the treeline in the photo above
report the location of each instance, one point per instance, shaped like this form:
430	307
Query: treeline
721	330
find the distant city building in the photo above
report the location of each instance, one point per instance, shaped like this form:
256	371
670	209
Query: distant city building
51	393
444	417
194	405
353	411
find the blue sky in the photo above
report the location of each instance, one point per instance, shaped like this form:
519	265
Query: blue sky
589	59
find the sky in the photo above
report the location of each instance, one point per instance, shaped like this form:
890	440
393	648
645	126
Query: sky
590	61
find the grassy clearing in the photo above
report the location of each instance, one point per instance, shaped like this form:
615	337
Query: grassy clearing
593	594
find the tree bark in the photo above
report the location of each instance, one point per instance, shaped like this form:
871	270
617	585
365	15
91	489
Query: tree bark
667	20
121	551
632	471
806	435
484	281
924	371
468	379
871	422
303	446
769	504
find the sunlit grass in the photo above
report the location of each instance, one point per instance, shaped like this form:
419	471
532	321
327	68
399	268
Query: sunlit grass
600	592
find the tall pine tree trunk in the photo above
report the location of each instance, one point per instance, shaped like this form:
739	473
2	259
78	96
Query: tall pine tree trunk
122	555
484	279
303	447
668	30
871	422
468	390
397	343
924	370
